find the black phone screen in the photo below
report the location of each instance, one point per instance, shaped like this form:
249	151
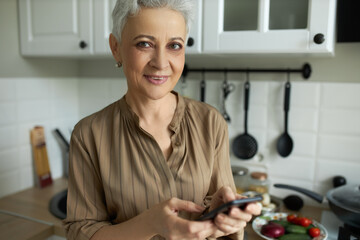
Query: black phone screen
224	208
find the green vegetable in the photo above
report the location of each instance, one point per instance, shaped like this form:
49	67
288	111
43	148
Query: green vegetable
295	229
283	223
295	236
310	226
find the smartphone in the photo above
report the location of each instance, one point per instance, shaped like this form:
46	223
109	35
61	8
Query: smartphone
241	203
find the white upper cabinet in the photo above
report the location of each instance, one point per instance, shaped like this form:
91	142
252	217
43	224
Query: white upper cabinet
194	43
55	28
103	26
82	27
269	26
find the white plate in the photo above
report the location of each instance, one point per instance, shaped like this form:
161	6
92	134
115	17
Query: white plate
262	220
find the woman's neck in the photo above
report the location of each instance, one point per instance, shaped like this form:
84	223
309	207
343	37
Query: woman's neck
149	110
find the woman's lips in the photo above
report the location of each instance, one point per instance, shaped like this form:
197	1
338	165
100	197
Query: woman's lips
157	79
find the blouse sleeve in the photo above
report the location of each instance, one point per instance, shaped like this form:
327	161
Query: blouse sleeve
86	210
222	174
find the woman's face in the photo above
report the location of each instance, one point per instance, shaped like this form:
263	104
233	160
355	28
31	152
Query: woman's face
152	52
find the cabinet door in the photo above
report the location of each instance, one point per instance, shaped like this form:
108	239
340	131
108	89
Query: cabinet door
269	26
55	28
195	35
103	26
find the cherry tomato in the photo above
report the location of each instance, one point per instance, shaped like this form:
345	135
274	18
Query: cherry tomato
296	220
305	222
314	232
291	217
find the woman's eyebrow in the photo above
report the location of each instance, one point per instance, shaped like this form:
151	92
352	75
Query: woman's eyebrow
145	36
177	38
153	38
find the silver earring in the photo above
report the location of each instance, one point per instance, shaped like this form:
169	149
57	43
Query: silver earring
118	64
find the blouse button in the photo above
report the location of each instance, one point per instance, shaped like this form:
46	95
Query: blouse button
177	144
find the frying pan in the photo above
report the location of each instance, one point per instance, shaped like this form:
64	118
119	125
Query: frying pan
344	201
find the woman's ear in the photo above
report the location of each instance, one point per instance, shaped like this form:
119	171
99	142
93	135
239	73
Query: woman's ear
115	47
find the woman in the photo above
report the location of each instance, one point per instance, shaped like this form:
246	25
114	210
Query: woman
148	165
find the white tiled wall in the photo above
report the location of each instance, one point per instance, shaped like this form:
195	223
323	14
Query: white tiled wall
25	103
324	122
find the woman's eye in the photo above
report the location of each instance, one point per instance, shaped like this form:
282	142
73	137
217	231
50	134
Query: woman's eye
143	44
175	46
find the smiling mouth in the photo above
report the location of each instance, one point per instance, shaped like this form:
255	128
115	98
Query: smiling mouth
156	79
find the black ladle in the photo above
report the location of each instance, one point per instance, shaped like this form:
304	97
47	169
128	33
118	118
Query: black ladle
245	145
285	143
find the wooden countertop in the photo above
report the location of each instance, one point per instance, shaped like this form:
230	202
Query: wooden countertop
33	203
19	228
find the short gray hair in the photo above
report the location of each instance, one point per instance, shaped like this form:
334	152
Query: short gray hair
125	8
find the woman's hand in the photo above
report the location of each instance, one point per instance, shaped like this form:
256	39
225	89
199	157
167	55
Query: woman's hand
236	219
165	221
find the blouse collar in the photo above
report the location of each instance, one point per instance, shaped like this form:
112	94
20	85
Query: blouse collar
175	122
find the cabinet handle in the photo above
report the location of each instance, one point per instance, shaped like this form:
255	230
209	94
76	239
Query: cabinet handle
319	38
190	42
82	44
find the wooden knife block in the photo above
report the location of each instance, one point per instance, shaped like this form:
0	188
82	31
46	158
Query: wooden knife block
40	155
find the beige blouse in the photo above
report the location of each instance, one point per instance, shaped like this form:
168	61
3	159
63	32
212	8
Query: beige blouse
117	170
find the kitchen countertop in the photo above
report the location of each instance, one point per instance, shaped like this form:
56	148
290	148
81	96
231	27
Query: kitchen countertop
28	209
14	227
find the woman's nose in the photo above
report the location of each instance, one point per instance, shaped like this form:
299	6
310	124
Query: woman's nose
159	59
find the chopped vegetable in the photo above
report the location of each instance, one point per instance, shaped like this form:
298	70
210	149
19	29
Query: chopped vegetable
283	223
272	230
295	236
314	232
291	217
305	222
295	229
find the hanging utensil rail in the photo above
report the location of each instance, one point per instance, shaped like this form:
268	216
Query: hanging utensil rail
305	70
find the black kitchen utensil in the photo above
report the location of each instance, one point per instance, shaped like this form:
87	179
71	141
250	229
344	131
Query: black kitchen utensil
65	152
339	181
61	136
293	202
285	143
344	201
245	145
227	89
202	88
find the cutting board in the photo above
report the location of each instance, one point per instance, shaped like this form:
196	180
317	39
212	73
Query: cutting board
41	161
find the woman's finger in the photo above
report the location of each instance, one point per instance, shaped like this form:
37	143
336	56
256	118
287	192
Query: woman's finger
237	214
227	194
228	224
183	205
254	208
195	229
